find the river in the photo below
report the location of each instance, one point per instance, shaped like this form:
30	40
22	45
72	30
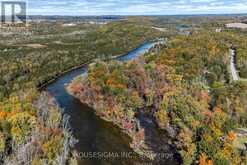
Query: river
93	133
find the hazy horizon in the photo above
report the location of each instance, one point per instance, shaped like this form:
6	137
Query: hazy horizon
220	14
135	7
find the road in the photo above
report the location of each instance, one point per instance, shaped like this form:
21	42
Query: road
234	71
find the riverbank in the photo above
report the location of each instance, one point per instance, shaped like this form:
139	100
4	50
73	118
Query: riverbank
93	133
147	140
57	76
85	64
138	130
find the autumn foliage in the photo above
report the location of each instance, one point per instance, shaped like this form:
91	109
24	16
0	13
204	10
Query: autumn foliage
185	88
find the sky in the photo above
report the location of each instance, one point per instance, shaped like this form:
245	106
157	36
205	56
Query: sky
135	7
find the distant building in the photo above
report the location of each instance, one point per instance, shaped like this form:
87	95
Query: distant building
237	25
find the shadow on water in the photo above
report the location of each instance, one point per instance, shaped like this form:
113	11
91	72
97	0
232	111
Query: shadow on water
93	133
157	141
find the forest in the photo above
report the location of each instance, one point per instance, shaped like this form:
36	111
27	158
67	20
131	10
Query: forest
33	129
180	98
186	91
47	54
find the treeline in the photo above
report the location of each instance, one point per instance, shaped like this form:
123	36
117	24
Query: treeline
187	90
24	67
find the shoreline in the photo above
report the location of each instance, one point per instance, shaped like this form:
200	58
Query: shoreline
131	134
85	64
137	144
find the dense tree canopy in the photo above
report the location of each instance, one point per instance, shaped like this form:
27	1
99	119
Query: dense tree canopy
187	88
